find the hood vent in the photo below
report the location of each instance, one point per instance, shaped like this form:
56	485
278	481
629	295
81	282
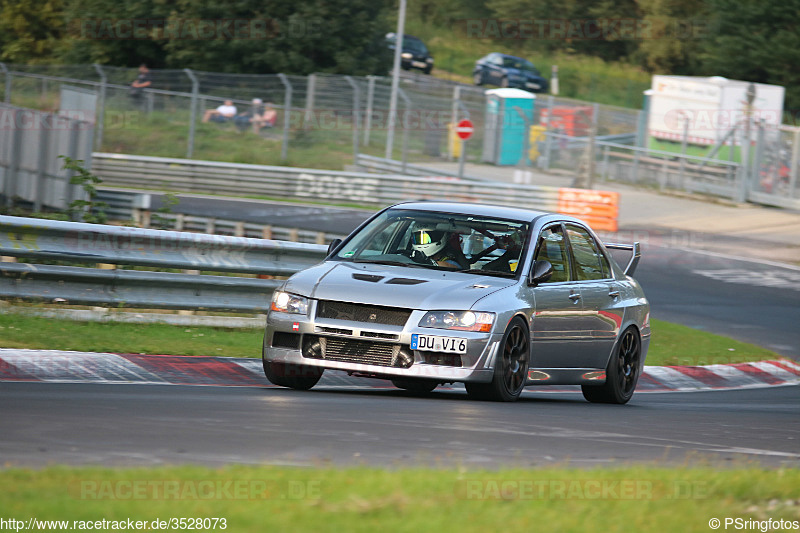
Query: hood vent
368	277
405	281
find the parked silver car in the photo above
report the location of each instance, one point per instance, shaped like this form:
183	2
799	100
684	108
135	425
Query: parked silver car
495	297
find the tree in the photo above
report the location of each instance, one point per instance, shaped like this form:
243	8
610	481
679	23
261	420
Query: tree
756	41
30	30
677	30
337	36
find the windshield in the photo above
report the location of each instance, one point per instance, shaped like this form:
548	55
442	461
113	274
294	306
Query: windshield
519	64
414	45
440	241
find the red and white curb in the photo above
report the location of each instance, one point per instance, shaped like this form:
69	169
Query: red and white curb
84	367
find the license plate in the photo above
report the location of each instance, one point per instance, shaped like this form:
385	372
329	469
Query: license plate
419	64
432	343
532	85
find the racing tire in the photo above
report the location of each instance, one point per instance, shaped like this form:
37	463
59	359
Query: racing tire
504	83
622	372
298	377
510	369
415	385
477	78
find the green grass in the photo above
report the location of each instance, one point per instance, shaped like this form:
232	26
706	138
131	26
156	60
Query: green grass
30	332
269	498
671	344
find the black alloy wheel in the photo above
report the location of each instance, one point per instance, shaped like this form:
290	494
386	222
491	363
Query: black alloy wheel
622	372
511	366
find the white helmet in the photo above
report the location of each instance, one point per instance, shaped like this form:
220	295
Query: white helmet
428	241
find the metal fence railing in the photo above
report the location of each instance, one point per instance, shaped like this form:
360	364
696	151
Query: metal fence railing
182	175
36	240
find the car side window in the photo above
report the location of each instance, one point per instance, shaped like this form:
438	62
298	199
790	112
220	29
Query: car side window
590	263
552	247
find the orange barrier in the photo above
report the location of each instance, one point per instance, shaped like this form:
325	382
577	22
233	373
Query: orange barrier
599	209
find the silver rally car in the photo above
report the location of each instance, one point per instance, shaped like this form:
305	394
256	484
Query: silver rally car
495	297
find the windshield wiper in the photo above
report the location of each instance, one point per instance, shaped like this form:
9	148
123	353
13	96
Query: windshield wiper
387	262
487	272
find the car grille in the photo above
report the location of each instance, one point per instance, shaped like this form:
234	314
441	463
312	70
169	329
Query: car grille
351	351
370	314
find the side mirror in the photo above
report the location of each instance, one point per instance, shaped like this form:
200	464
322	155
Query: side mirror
334	245
542	271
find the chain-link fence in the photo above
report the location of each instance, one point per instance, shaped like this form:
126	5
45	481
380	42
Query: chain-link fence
322	120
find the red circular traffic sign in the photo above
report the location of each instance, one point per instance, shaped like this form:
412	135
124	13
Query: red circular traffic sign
464	129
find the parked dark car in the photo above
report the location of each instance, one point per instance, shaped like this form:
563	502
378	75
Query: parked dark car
414	54
508	71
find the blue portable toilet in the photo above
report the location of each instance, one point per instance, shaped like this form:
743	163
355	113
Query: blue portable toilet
504	136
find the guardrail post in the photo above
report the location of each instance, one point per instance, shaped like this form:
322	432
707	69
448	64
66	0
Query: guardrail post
12	172
287	110
310	89
462	156
759	153
44	157
793	166
7	75
356	116
370	101
740	195
454	114
544	163
192	111
684	146
100	107
407	102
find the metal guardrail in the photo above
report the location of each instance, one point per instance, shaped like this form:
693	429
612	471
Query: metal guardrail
392	166
46	240
184	175
125	205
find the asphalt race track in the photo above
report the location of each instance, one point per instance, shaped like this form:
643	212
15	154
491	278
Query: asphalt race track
143	425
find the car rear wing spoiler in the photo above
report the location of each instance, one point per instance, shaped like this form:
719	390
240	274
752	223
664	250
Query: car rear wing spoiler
636	254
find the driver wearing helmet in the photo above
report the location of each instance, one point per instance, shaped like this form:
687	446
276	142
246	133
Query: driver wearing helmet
437	245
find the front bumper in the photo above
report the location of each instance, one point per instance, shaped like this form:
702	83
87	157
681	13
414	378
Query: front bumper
294	331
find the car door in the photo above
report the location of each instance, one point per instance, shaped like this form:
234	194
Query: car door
556	329
602	313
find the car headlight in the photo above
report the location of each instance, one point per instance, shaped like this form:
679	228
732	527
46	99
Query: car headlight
462	320
429	60
289	303
406	55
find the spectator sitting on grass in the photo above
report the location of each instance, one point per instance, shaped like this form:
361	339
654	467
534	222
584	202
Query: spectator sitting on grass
251	116
223	113
267	118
